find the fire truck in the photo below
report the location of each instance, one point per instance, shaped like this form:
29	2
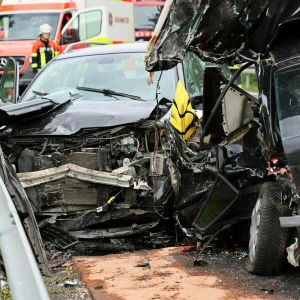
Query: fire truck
146	14
72	21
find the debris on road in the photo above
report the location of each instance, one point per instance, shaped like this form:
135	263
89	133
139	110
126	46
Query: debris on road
241	255
68	283
98	287
143	264
267	291
199	262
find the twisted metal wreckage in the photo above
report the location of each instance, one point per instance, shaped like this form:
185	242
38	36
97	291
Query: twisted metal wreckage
261	33
127	181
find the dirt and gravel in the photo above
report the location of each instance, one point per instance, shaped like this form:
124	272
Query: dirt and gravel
176	273
170	273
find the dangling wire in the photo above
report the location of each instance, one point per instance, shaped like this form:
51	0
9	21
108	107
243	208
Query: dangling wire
156	142
44	147
97	210
156	96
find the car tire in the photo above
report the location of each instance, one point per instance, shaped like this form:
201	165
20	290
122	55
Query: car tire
268	240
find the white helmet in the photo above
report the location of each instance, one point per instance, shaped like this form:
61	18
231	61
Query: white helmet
45	28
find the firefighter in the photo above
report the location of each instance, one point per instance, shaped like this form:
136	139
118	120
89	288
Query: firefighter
43	50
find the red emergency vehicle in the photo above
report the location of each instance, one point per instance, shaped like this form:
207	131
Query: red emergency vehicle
146	14
102	21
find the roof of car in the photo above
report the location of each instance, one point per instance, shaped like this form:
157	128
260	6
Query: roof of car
105	49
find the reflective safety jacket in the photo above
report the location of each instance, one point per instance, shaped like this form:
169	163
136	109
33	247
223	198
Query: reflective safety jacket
42	53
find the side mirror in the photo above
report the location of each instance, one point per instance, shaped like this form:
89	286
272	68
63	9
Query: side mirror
9	84
196	99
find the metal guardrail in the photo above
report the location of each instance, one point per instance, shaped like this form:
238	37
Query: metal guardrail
24	277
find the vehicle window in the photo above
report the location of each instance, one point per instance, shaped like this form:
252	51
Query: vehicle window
287	87
90	24
193	73
124	72
86	25
25	26
146	16
71	34
67	17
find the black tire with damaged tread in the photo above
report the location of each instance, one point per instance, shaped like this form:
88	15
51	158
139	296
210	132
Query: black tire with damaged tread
270	251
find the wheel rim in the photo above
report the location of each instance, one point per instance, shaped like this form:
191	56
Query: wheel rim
254	228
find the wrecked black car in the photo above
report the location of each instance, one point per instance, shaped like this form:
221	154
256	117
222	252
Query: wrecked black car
82	141
91	152
261	33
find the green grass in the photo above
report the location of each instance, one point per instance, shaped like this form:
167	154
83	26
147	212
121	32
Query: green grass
253	83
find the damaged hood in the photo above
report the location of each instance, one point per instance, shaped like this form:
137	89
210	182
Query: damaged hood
83	114
227	31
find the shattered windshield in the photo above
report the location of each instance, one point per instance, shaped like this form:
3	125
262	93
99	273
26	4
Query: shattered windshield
287	86
25	26
122	73
194	71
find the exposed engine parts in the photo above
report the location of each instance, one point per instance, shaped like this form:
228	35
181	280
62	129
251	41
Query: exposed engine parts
59	174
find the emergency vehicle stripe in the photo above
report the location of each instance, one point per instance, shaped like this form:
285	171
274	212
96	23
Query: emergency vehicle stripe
42	6
105	40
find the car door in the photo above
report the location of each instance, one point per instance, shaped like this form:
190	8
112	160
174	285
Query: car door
82	27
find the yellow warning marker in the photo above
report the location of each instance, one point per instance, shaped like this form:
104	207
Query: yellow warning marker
182	115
